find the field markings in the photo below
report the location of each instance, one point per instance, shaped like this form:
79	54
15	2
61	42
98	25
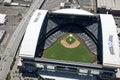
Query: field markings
66	44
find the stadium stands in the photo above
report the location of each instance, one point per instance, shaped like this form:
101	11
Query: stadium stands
52	39
53	22
91	45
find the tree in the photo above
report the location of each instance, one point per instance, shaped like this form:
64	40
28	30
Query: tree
8	76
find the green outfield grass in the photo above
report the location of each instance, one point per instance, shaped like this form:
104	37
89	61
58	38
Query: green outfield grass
78	54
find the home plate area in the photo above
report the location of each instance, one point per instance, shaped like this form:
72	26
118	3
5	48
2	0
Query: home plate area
70	41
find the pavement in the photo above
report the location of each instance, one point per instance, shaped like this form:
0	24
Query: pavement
15	74
11	24
11	49
52	4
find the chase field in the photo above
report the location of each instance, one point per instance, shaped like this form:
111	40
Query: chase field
70	47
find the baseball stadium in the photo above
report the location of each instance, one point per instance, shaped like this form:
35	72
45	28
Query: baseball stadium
74	49
72	41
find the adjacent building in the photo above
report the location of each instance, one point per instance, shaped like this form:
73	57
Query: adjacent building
3	18
109	6
7	2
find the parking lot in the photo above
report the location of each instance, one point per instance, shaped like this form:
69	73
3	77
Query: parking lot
14	16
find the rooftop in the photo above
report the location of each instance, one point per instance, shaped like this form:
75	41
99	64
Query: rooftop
109	4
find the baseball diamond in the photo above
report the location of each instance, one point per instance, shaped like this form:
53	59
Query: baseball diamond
70	47
70	42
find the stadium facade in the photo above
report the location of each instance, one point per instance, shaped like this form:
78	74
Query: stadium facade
97	33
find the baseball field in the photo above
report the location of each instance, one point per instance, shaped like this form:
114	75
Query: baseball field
69	47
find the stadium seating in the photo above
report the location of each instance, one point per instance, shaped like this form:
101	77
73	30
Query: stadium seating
88	41
50	40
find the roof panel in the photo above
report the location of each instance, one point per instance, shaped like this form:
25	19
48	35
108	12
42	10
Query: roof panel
111	55
73	11
30	39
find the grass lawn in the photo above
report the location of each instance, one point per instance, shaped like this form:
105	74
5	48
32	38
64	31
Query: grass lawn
78	54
